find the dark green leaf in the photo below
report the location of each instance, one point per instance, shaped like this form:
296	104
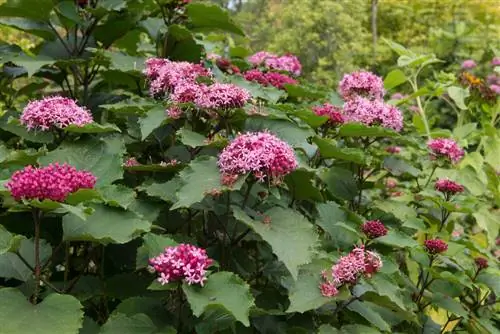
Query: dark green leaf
340	182
361	130
394	78
329	149
211	17
122	324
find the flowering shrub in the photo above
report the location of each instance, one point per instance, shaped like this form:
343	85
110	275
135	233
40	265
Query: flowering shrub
155	178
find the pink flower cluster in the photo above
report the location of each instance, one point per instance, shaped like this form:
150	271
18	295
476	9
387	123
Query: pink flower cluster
435	246
275	79
131	162
54	111
182	262
468	64
348	270
361	83
481	263
495	61
334	113
260	153
373	112
393	149
374	229
54	182
287	63
445	148
448	187
221	96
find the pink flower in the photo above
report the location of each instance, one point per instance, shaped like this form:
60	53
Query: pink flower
130	162
334	113
288	63
468	64
493	79
277	80
495	61
182	262
481	263
358	262
393	149
221	96
373	112
361	83
185	92
398	96
435	246
374	229
445	148
174	112
448	187
256	75
54	182
495	89
328	289
259	57
55	111
391	183
260	153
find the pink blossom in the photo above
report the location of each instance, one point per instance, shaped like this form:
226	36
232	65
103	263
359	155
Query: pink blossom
435	246
414	109
481	263
174	112
495	89
328	289
361	83
391	183
256	75
130	162
183	262
53	182
446	148
358	262
259	57
449	187
334	113
185	92
221	96
468	64
495	61
493	79
260	153
55	111
374	229
287	63
277	80
398	96
393	149
373	112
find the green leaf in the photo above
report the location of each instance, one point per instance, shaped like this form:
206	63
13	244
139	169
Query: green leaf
358	329
490	279
123	62
105	225
301	185
102	157
92	128
327	329
458	95
488	221
328	149
288	131
69	10
32	64
291	235
394	78
55	314
82	195
398	167
449	304
166	191
303	91
113	5
12	267
153	245
369	314
222	289
118	195
8	241
153	120
340	182
33	9
270	94
14	126
211	17
200	177
33	27
400	210
304	294
397	239
120	323
361	130
492	151
191	138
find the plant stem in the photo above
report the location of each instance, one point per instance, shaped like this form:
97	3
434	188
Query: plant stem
247	194
37	215
421	110
430	176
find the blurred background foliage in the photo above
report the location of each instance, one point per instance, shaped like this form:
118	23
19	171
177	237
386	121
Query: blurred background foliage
332	37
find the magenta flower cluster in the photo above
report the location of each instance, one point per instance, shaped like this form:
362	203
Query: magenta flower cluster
495	61
445	148
468	64
448	187
361	83
54	111
334	113
183	262
435	246
349	269
275	79
221	96
286	63
373	112
481	263
53	182
262	154
374	229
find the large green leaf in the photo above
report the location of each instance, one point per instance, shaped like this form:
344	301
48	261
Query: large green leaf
92	128
12	125
394	78
190	138
458	95
33	9
152	245
288	131
291	235
399	167
122	324
55	314
449	304
340	182
118	195
35	28
32	64
152	120
369	314
328	149
8	241
105	225
102	157
11	266
488	221
361	130
211	17
302	187
397	239
222	289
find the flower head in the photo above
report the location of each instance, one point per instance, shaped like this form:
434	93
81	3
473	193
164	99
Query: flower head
446	148
131	162
328	289
373	112
277	80
468	64
221	96
495	61
334	113
435	246
495	89
287	63
259	57
448	187
374	229
481	263
260	153
361	83
398	96
55	111
393	149
183	262
53	182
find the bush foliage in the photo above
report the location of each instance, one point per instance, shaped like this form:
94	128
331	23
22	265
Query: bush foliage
157	179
